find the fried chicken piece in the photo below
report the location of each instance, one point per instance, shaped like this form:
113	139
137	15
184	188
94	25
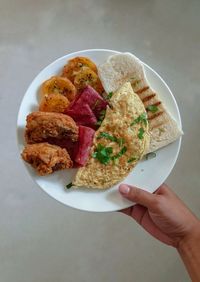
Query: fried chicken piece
42	125
46	158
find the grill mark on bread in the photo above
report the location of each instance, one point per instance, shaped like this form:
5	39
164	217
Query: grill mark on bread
155	104
148	98
140	91
156	125
155	115
152	117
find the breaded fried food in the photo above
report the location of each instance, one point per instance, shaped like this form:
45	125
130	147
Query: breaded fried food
74	65
42	125
59	85
54	103
46	158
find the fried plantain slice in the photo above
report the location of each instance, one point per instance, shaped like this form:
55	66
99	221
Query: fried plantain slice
75	65
54	102
85	77
59	85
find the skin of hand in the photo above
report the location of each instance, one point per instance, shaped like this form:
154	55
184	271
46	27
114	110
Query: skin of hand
162	214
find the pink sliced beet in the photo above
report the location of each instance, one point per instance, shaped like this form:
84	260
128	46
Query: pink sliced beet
86	135
87	107
93	99
82	114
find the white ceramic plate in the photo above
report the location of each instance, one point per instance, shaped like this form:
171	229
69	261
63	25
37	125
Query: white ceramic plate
148	174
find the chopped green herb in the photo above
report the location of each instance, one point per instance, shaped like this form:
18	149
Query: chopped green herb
102	114
150	156
109	96
120	141
116	161
131	160
99	122
102	154
152	108
141	118
68	186
121	152
141	133
106	135
101	117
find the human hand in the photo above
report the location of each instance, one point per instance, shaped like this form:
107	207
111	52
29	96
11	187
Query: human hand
162	214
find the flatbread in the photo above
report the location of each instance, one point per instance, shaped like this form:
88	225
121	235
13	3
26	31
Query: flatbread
125	108
124	67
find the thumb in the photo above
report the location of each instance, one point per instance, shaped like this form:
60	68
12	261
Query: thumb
137	195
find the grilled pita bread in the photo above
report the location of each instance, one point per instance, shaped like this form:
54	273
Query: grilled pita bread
124	67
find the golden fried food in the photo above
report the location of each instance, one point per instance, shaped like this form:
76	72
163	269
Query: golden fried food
59	85
43	125
46	158
75	65
85	77
54	103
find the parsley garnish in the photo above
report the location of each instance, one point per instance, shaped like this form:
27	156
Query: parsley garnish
99	122
131	160
141	118
106	135
141	133
109	96
103	154
120	141
150	156
121	152
152	108
102	114
115	161
68	186
101	117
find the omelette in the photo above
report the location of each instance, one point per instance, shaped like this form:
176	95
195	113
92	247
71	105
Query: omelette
119	143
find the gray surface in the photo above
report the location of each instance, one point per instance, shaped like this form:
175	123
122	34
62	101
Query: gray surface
40	239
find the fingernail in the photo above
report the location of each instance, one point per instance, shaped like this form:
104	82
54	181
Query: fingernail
124	189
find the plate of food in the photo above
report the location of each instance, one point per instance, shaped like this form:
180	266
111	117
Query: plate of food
94	119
